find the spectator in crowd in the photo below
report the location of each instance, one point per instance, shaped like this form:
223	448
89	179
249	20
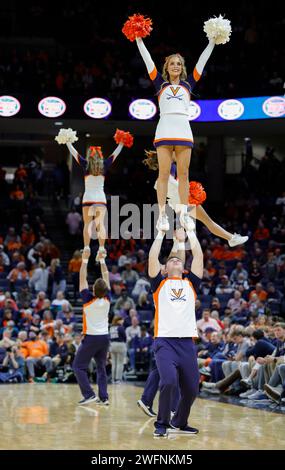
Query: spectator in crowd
57	277
15	363
236	303
259	291
237	271
39	280
59	301
118	348
37	356
142	346
132	333
129	275
122	299
73	221
58	351
18	274
207	321
115	276
225	286
74	268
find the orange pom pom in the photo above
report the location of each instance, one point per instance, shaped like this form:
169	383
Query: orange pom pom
137	26
125	138
197	194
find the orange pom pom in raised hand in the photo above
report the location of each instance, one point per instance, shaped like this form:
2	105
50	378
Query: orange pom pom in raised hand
137	26
197	194
125	138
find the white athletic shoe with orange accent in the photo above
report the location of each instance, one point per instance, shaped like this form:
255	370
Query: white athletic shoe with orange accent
237	239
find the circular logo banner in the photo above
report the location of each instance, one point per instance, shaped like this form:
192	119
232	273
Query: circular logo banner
9	106
142	109
231	109
97	108
51	106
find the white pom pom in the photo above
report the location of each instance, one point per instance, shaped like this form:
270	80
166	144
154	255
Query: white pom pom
66	136
219	29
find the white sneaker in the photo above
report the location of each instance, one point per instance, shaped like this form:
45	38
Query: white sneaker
101	251
237	239
187	221
208	385
247	393
256	395
162	223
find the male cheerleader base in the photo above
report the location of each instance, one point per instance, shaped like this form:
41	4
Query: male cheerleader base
95	328
175	326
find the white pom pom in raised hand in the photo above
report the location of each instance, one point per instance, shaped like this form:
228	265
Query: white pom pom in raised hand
219	29
66	136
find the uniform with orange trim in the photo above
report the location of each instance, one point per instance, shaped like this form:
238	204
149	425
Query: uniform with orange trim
94	193
95	314
95	344
174	100
174	300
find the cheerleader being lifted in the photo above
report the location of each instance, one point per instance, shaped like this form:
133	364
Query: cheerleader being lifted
174	87
95	167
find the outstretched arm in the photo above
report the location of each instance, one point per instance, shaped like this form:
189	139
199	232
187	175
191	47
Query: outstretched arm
80	160
198	70
108	162
154	266
178	248
83	283
150	65
104	269
198	257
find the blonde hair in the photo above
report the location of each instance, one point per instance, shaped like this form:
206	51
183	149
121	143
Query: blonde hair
151	160
165	74
95	161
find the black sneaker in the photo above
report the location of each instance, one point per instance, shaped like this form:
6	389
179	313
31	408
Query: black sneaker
146	409
160	432
187	430
85	401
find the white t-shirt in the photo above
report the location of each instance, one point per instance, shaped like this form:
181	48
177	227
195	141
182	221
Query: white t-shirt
174	300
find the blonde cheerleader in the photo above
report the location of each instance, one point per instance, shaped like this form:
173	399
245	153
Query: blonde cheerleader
174	87
196	196
95	168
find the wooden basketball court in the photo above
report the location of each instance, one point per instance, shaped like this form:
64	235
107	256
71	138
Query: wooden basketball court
46	416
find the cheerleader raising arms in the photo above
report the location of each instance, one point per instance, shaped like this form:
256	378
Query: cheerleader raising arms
173	132
95	168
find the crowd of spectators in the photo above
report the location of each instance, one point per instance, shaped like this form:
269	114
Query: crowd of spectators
103	62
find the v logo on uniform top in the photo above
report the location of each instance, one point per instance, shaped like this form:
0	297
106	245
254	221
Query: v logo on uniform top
175	90
177	293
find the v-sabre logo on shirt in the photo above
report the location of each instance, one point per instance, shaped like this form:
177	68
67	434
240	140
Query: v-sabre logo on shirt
174	93
177	295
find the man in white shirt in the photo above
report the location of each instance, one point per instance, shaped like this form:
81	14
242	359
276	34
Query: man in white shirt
175	326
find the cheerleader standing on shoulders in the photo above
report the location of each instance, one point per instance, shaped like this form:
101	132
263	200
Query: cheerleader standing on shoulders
174	89
196	196
95	168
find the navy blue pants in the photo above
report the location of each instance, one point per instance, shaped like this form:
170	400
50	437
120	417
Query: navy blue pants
176	360
92	346
151	388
